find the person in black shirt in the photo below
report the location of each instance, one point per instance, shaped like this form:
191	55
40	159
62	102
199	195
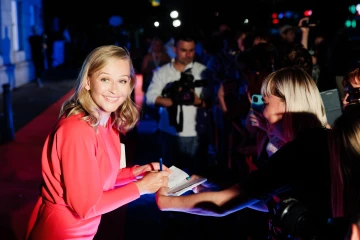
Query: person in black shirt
38	46
298	170
345	162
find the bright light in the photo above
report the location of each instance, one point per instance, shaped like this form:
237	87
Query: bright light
353	23
288	14
155	3
348	23
308	13
156	24
274	15
275	21
281	15
174	14
352	9
176	23
358	8
246	21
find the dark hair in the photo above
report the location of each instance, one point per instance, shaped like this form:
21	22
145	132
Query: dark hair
351	76
294	55
186	36
262	33
259	64
345	162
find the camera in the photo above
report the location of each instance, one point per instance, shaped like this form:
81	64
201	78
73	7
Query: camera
307	24
354	94
292	220
181	91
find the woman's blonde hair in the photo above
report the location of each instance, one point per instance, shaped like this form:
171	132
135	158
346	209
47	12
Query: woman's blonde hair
126	116
344	144
304	106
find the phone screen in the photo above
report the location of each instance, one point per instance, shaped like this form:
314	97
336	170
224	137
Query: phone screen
257	103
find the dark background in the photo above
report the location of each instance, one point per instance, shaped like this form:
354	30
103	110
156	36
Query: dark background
87	21
194	13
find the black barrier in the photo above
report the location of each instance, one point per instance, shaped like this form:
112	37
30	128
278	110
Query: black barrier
9	132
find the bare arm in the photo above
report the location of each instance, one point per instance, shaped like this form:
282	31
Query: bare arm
216	204
221	98
304	33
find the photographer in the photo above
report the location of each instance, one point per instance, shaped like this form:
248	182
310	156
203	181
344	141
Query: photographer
182	97
351	84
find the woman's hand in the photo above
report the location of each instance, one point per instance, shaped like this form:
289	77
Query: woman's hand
153	181
206	186
257	120
303	27
344	101
162	192
153	166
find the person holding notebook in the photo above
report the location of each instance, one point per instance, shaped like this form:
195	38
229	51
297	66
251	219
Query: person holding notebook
80	162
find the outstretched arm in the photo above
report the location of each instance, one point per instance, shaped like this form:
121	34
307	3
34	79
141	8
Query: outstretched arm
216	204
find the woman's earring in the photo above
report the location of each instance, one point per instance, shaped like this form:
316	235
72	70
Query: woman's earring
87	87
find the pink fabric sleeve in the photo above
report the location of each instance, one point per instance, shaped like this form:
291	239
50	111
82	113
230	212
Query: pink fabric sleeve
125	176
77	148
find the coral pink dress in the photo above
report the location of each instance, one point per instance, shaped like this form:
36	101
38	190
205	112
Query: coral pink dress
82	181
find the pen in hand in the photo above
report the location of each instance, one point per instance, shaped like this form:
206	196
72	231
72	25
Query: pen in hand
160	162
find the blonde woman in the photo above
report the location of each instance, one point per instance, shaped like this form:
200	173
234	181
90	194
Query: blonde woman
81	156
300	169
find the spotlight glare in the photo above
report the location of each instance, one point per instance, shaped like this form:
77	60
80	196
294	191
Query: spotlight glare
176	23
174	14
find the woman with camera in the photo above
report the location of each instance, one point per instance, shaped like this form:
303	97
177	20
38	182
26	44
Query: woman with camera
351	84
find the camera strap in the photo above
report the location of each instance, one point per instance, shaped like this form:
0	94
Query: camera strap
173	117
179	126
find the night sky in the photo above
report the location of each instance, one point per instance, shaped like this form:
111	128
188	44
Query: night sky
140	12
197	14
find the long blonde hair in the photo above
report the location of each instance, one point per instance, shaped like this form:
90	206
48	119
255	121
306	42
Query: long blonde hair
344	144
304	106
126	116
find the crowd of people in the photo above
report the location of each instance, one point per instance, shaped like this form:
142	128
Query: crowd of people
283	159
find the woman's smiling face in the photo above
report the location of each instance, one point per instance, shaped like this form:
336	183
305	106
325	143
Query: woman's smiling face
110	86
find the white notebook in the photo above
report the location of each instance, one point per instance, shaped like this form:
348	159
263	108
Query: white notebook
179	184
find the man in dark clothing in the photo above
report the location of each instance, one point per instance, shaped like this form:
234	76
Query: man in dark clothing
38	46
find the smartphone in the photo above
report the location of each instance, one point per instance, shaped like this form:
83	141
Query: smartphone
257	103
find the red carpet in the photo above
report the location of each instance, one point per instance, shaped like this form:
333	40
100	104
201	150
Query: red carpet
21	171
